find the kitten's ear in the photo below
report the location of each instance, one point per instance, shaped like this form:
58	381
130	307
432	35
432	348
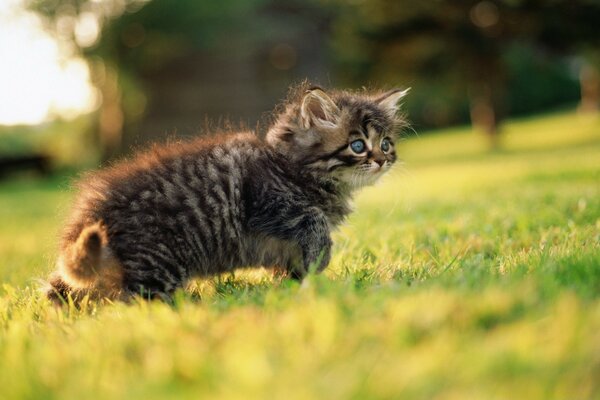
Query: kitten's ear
317	108
390	101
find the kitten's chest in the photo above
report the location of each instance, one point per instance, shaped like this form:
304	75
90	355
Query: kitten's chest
337	214
335	202
335	208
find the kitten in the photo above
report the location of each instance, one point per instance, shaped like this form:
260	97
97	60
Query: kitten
146	226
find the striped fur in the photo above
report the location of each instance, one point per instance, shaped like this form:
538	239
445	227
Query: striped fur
215	204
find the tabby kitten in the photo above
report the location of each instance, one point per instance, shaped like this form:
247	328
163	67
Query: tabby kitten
146	226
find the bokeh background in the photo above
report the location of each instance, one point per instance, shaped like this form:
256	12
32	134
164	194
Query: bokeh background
470	272
84	81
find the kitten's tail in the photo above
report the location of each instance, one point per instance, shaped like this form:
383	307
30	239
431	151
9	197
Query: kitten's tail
87	267
81	262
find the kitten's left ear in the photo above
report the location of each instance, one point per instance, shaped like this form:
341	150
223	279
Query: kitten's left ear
318	108
390	101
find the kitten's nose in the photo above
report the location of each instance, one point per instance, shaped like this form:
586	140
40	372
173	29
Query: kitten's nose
380	162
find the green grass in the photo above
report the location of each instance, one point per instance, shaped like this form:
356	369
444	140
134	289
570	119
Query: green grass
464	274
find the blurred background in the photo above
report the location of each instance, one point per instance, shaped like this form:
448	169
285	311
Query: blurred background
84	81
475	269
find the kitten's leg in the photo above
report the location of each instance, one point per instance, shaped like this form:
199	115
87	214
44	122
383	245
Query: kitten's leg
153	267
307	226
149	280
315	243
58	291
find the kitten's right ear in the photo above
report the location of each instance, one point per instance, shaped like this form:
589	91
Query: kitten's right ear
390	101
318	109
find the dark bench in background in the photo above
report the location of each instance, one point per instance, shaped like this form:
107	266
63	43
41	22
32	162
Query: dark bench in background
39	163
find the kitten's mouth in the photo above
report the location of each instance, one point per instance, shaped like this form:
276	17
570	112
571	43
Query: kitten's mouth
378	169
373	173
365	175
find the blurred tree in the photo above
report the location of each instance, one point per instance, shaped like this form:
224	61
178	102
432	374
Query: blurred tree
163	65
461	41
589	78
570	27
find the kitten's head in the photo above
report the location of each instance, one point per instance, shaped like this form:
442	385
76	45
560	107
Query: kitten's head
347	136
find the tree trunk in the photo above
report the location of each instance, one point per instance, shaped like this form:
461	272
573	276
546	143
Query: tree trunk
484	112
486	80
589	80
110	123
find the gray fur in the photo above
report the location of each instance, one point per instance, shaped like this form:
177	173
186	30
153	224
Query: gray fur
217	204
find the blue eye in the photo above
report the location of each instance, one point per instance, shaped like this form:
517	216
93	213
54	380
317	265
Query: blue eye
358	146
385	145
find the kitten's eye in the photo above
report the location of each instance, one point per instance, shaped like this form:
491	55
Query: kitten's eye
358	146
385	145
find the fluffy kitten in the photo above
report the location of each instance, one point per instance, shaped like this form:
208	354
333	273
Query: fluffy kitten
145	226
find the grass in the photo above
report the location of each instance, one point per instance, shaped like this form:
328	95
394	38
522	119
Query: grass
465	274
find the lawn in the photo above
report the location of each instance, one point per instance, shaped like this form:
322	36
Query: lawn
464	274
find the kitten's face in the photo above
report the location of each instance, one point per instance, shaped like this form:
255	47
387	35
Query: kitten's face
346	136
367	155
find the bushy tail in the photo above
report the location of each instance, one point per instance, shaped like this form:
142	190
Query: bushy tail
80	263
87	267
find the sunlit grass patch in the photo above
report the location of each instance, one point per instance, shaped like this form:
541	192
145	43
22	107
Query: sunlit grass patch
466	274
